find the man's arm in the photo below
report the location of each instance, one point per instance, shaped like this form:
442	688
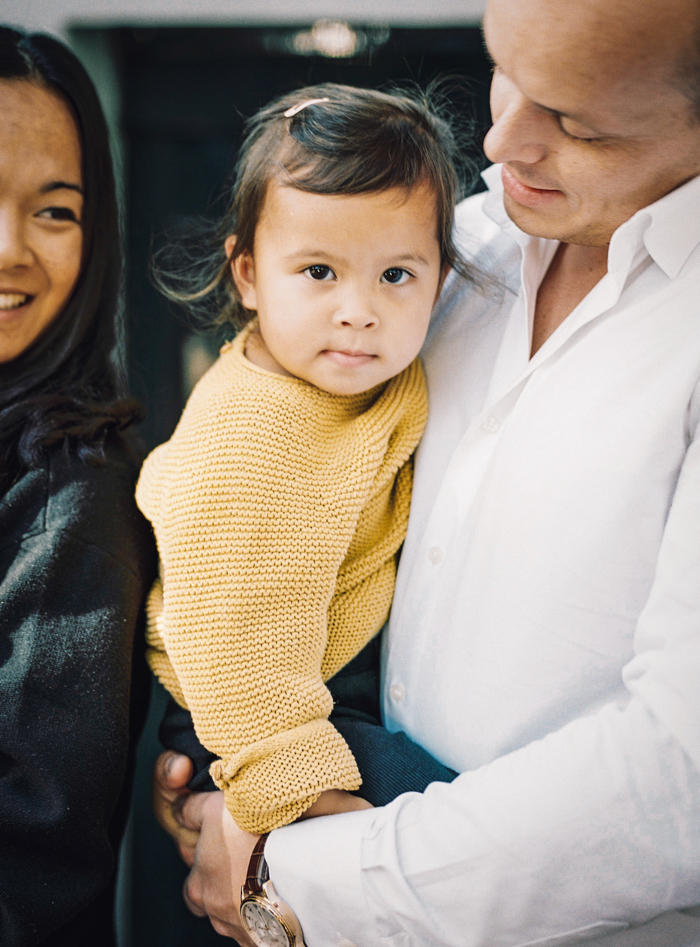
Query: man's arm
590	829
594	826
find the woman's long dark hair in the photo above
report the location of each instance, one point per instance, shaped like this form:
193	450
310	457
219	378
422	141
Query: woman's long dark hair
68	388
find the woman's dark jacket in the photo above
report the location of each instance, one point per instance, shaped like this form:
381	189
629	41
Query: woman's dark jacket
76	562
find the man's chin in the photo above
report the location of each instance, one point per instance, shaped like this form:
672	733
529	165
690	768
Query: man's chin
536	221
553	224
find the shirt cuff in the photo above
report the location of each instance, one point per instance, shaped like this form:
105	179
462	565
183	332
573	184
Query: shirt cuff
315	866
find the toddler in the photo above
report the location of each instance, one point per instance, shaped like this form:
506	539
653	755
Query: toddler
281	500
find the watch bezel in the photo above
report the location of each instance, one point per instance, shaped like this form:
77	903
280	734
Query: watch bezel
270	901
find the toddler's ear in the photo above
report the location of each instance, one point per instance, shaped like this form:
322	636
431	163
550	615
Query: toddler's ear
443	276
230	245
243	272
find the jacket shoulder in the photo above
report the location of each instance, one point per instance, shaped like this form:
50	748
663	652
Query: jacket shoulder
93	504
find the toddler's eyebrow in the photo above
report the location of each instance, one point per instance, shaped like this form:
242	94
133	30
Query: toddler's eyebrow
311	253
411	258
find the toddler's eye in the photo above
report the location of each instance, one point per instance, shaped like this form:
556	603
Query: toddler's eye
319	272
58	213
395	275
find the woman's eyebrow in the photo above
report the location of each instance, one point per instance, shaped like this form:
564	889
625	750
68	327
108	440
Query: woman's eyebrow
60	186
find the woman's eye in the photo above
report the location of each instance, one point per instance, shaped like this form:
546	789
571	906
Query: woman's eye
318	272
58	213
395	275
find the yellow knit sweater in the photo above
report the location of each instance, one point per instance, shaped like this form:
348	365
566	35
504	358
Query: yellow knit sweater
278	509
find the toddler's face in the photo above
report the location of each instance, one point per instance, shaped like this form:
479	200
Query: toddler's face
343	285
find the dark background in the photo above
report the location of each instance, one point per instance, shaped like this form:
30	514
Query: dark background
185	94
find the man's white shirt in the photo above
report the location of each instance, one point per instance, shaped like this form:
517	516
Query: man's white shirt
545	632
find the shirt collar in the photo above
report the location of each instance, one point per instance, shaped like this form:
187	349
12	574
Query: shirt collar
674	229
669	229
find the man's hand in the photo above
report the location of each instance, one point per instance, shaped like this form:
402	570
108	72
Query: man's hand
212	845
213	887
223	852
209	842
170	777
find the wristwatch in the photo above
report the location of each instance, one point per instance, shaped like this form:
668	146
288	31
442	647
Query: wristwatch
267	918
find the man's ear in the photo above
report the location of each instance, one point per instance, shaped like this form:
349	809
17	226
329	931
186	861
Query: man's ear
243	272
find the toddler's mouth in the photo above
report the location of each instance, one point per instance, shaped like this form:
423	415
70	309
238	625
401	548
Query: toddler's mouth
9	301
347	358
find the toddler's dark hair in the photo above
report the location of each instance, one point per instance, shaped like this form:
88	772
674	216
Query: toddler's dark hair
359	141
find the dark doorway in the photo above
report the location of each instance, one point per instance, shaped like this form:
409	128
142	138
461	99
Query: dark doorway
185	95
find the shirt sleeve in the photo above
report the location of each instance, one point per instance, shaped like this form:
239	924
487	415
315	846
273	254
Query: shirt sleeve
594	828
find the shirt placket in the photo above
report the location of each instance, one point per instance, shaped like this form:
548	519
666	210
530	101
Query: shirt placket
457	501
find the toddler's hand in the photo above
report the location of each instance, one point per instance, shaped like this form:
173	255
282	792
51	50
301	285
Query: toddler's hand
333	801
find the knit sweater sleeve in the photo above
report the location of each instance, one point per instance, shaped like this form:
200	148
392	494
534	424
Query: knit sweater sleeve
156	653
255	502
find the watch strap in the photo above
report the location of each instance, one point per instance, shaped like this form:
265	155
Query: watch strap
258	872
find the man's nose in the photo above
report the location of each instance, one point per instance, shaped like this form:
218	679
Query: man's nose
14	250
519	132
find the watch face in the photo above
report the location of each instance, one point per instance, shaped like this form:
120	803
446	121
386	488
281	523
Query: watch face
264	928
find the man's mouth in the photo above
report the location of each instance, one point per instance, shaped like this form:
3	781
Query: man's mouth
10	301
526	194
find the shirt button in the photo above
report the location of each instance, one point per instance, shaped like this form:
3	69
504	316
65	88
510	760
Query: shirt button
490	424
397	692
436	554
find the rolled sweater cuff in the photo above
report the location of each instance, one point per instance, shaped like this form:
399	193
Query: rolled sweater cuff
272	782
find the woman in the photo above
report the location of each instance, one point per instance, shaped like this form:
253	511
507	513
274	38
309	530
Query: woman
76	558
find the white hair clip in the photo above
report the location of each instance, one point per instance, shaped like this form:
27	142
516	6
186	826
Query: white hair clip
295	109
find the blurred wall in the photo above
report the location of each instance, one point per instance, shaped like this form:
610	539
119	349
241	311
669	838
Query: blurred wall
58	16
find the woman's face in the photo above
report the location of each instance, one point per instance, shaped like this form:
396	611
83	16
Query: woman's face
41	203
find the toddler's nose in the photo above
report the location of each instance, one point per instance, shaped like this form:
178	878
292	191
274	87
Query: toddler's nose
359	321
356	314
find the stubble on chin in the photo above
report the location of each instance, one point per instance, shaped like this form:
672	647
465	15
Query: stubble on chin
538	223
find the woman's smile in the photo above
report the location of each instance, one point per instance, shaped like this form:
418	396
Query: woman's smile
11	300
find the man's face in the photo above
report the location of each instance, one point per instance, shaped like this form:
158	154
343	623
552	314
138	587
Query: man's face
588	122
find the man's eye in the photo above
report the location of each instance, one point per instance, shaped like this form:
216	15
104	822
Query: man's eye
395	275
580	137
58	213
583	137
318	272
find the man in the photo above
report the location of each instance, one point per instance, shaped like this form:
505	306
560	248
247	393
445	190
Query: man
545	634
